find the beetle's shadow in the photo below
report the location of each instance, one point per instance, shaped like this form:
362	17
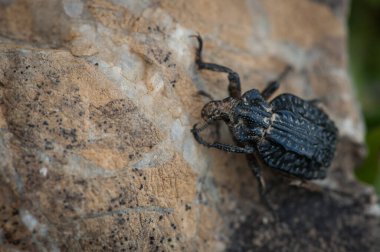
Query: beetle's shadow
308	221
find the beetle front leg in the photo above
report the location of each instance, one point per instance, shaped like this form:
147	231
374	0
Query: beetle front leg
234	87
220	146
205	94
315	101
255	168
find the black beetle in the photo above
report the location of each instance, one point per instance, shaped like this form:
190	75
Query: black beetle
287	134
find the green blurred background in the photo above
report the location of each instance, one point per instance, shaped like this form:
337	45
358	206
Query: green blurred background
364	49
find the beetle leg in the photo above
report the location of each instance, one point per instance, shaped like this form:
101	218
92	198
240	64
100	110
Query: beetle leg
255	167
234	88
205	94
274	85
220	146
315	101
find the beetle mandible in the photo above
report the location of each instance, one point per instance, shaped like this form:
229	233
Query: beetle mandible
287	134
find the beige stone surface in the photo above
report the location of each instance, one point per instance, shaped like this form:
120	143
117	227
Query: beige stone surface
97	99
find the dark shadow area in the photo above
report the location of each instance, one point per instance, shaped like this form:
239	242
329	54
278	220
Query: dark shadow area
310	221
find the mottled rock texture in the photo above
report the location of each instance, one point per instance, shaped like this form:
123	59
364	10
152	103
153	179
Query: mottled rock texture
97	99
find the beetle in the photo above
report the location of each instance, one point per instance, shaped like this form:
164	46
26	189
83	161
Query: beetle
287	134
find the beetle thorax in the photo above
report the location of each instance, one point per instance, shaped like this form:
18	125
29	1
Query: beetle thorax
256	118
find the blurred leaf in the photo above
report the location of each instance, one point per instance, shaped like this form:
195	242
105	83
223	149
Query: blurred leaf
374	2
364	49
370	170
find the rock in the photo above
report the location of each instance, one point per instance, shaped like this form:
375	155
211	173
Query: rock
97	99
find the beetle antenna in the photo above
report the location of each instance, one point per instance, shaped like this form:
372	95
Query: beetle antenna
284	73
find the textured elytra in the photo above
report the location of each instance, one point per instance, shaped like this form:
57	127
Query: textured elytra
301	139
290	134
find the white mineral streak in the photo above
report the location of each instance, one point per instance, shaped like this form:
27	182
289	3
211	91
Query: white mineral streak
157	82
131	65
73	8
191	155
33	225
374	210
43	171
177	131
29	220
137	7
180	43
352	129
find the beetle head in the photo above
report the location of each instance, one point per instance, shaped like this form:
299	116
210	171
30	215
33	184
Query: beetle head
217	110
211	111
